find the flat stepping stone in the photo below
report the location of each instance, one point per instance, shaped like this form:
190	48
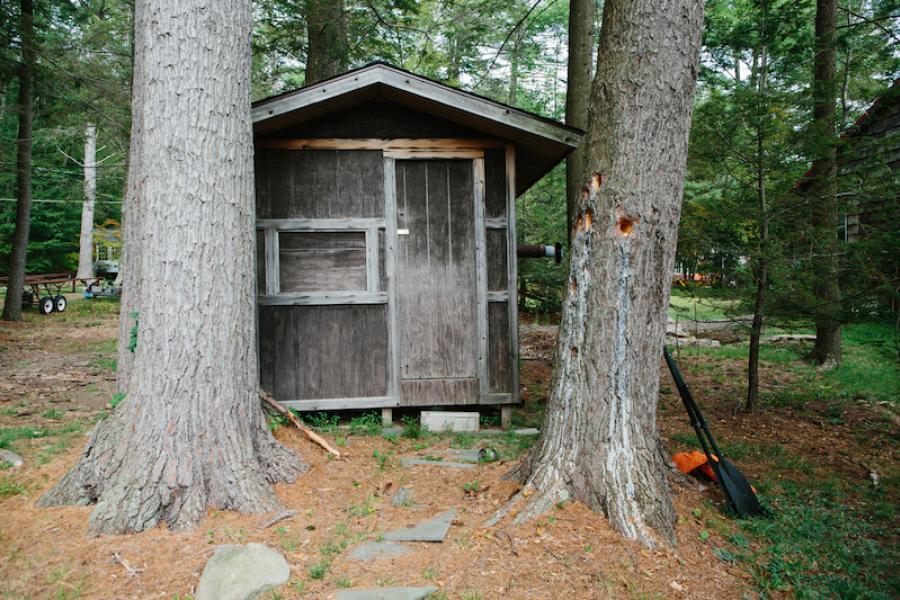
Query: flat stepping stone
413	462
371	551
470	455
388	593
433	530
11	457
403	499
242	572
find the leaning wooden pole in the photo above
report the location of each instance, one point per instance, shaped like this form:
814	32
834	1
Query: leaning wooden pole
270	402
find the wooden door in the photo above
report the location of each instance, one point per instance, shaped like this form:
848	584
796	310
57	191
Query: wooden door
436	281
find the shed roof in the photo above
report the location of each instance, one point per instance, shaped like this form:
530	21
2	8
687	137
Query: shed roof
541	143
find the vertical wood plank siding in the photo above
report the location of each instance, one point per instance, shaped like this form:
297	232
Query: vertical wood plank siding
311	352
498	347
436	275
321	184
497	267
495	199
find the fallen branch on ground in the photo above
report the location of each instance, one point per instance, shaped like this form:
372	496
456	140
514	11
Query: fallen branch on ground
287	414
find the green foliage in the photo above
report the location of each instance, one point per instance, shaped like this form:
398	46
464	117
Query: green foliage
53	414
10	434
383	459
133	333
82	74
368	423
541	219
317	571
323	421
412	428
472	487
819	543
8	488
116	399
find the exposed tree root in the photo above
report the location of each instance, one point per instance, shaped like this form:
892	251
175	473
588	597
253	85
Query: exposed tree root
138	490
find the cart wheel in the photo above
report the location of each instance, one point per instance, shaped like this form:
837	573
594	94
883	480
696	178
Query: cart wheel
46	305
60	302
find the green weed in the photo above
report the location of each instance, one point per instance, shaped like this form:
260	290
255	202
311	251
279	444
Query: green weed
323	421
412	428
318	570
8	488
368	423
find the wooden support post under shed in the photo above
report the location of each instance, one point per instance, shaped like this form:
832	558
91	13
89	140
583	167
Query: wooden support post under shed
506	416
387	417
386	241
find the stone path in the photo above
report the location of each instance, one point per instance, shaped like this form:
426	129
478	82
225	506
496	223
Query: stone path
412	462
433	530
371	551
242	572
388	593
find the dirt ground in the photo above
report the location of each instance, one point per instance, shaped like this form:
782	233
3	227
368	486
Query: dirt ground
58	374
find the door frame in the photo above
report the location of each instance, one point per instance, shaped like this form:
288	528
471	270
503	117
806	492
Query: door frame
481	296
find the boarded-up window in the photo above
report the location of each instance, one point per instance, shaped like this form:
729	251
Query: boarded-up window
322	261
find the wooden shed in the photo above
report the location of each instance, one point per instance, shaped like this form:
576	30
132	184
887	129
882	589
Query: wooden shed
386	240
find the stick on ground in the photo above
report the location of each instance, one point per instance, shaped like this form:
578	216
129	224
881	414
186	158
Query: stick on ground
287	414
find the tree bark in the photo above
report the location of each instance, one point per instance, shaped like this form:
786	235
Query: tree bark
600	443
823	189
190	435
86	239
326	27
128	276
582	14
15	283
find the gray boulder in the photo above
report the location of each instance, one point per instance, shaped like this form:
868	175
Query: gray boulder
242	572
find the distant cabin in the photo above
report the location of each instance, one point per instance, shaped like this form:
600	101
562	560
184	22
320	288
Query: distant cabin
870	169
386	240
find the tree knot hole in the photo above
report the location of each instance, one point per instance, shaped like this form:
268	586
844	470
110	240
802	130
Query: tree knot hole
574	351
625	223
596	180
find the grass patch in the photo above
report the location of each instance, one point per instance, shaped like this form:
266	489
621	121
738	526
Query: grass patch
822	542
686	308
8	488
869	371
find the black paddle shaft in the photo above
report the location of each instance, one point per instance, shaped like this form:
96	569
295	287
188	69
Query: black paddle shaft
737	489
693	410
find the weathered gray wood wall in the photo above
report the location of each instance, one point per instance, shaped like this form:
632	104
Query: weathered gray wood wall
325	268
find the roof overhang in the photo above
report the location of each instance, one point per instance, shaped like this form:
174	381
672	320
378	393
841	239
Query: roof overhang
541	143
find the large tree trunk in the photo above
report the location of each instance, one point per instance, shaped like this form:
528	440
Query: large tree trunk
190	435
326	27
15	284
86	239
823	189
582	14
600	443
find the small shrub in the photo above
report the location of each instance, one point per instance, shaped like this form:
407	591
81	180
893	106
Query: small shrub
317	571
323	421
412	428
368	423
